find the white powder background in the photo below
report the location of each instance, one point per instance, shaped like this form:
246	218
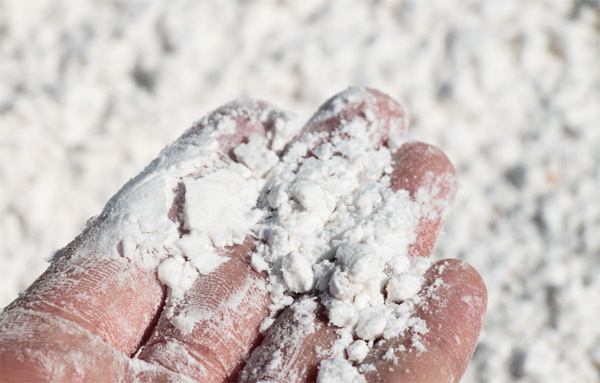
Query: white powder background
91	91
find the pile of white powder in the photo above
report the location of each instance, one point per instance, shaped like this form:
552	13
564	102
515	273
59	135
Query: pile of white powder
326	219
508	89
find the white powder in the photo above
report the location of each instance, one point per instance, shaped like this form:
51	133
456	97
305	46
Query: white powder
255	155
177	274
297	272
219	205
358	351
338	370
403	286
217	213
326	220
335	223
92	91
192	202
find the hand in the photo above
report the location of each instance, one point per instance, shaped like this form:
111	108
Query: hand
93	316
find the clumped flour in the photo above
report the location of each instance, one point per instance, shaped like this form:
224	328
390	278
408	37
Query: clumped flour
322	211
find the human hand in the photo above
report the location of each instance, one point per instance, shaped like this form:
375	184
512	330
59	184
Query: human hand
103	311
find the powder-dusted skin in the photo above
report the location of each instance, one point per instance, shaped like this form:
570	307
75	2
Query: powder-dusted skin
335	222
246	220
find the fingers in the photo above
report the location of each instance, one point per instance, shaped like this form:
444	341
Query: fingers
105	286
293	346
235	121
205	334
382	116
453	304
299	339
96	293
427	174
208	333
105	282
40	347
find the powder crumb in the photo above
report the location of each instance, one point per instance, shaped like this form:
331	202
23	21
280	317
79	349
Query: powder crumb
275	362
184	323
360	261
342	314
207	262
310	195
338	370
177	274
297	272
357	351
198	249
403	286
366	367
286	126
372	323
418	345
255	155
221	204
391	356
258	263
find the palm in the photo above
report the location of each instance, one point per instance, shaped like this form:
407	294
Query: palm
96	318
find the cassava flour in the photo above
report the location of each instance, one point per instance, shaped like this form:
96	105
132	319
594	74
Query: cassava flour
325	220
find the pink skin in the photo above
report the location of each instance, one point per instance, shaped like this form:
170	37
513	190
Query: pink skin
81	306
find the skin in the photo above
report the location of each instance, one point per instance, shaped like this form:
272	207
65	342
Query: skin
106	311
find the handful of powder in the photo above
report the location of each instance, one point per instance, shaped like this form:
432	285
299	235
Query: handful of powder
327	223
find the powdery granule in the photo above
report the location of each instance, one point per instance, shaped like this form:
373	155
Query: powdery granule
339	370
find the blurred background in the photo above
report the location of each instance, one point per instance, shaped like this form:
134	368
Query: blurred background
90	92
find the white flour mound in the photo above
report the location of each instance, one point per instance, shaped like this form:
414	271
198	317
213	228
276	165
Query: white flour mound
92	90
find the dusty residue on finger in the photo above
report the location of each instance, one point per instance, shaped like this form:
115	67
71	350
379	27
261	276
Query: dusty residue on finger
451	304
431	180
293	346
454	302
236	121
383	117
207	333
